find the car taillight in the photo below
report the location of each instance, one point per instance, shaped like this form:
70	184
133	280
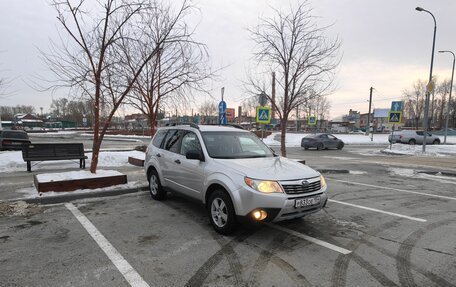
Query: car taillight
7	142
400	136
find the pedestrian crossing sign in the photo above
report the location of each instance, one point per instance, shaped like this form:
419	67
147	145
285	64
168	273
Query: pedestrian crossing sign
312	120
394	117
263	115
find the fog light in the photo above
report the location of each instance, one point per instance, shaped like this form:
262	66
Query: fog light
259	214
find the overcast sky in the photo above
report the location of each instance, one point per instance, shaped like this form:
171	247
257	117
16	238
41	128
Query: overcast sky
386	44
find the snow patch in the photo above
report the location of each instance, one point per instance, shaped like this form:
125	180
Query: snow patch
357	172
11	161
31	192
431	150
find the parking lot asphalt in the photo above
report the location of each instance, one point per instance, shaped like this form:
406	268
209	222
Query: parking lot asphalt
384	226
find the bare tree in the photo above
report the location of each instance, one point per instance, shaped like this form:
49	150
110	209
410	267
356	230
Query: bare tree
318	106
179	68
414	101
208	109
304	59
91	59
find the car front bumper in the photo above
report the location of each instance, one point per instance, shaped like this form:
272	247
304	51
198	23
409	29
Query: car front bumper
279	206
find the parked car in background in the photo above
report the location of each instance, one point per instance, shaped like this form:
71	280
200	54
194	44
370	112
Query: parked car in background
412	137
13	140
321	141
358	132
233	173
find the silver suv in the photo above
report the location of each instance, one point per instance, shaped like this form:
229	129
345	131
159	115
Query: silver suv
233	173
413	137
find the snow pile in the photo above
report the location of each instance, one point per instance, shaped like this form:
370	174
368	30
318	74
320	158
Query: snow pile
74	175
431	150
11	161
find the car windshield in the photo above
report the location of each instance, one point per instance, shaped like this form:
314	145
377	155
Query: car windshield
231	145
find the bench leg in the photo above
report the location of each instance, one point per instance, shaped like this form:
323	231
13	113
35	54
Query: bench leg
29	166
82	163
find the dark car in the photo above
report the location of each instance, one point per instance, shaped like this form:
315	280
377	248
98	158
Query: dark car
321	141
13	140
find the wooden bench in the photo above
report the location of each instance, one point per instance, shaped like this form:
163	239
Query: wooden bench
53	151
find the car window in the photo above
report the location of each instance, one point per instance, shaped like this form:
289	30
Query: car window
420	133
14	135
158	138
231	145
172	141
331	137
190	142
323	136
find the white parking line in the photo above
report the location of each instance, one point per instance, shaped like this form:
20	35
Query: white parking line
392	188
130	274
310	239
378	210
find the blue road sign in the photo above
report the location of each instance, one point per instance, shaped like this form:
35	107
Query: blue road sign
222	107
222	113
312	121
263	115
397	106
394	117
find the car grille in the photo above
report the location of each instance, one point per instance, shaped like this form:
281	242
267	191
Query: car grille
299	188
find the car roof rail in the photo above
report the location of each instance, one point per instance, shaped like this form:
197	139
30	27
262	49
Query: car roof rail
230	125
193	125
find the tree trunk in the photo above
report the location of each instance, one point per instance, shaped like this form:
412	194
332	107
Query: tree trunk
96	131
283	132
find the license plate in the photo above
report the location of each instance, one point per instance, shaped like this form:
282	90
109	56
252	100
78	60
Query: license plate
308	201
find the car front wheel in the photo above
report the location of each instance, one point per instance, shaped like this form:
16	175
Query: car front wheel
436	142
221	212
155	187
340	146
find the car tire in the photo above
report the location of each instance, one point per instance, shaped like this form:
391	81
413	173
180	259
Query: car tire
155	188
340	146
320	146
436	142
412	142
306	148
221	212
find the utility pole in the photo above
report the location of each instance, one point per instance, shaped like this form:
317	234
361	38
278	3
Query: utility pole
369	114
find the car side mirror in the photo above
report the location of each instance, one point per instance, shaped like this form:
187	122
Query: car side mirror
194	154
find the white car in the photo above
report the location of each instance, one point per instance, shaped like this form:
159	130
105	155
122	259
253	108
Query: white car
412	137
233	173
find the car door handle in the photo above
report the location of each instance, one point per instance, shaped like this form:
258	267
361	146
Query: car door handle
158	155
177	161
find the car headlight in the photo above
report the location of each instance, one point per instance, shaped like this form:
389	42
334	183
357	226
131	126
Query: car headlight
322	181
264	186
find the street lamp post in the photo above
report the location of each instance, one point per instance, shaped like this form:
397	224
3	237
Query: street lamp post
449	98
429	87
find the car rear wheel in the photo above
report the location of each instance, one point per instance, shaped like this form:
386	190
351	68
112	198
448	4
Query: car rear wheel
221	212
155	188
320	146
306	148
436	142
412	142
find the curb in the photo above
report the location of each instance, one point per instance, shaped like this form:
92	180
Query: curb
333	171
76	196
444	173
